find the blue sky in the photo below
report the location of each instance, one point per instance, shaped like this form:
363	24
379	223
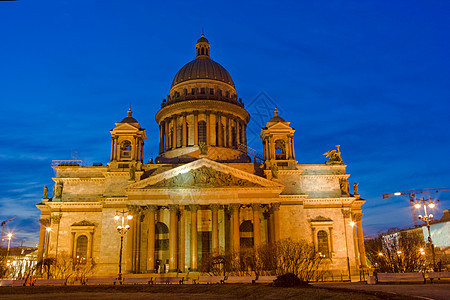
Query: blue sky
371	76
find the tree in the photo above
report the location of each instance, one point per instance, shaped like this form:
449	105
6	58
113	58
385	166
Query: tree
396	252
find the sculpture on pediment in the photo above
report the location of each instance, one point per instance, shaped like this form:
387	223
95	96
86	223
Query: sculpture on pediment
345	188
45	192
202	177
334	157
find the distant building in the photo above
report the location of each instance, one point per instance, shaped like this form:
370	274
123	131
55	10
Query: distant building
20	261
203	194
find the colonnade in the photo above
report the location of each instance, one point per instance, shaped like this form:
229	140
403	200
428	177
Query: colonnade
231	126
177	229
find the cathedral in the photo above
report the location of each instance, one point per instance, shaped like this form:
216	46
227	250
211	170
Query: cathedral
205	193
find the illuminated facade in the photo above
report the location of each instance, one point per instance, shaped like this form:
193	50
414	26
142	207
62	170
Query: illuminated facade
203	194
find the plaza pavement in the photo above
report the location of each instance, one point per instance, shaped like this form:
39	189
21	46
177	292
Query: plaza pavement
436	291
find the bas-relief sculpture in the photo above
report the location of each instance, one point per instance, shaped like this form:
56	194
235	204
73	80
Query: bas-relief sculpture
203	177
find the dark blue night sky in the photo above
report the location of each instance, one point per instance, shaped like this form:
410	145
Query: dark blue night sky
371	76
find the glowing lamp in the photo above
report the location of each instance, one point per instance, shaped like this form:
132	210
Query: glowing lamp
430	216
48	229
116	217
129	217
397	194
352	223
431	205
417	205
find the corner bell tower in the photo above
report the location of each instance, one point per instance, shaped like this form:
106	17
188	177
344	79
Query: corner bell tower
278	144
127	144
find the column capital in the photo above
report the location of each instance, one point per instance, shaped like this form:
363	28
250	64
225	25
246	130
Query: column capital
235	207
214	206
275	206
358	216
45	221
194	207
184	114
173	208
196	112
346	213
152	208
56	218
256	206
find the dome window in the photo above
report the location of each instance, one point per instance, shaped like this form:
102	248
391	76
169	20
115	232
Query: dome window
211	91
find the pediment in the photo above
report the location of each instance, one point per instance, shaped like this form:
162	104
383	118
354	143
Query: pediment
280	126
125	127
83	223
203	173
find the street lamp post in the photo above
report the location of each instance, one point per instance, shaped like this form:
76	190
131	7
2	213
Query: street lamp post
9	244
427	218
122	229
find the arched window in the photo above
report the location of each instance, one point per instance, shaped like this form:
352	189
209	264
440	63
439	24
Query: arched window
81	249
202	132
203	51
322	243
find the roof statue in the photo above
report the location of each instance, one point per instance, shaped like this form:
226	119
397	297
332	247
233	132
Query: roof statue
334	157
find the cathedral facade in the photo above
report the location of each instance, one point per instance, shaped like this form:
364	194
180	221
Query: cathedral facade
204	193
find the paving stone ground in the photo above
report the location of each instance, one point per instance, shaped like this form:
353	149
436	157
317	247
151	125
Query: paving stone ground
436	291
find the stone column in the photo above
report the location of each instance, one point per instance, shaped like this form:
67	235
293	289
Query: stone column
271	227
129	243
362	250
208	128
174	137
72	246
173	238
183	137
238	132
215	228
219	130
244	130
293	148
196	128
151	238
41	245
235	221
112	149
276	221
90	246
256	225
194	209
166	134
228	139
181	239
117	148
161	137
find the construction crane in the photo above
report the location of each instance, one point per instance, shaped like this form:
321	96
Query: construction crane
412	198
3	228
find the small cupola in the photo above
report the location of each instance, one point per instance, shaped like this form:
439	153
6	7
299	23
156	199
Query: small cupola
202	48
